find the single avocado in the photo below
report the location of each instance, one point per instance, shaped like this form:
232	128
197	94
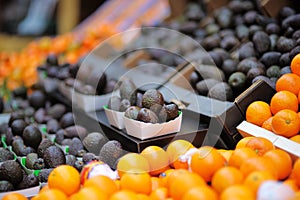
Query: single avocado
6	186
205	85
285	44
70	160
229	42
37	99
237	80
32	136
75	131
88	157
132	112
194	78
20	92
52	126
75	146
241	30
148	116
208	71
273	71
20	149
270	58
273	40
273	28
168	112
125	103
139	99
221	91
152	97
286	11
285	70
14	116
284	59
11	171
128	91
53	157
44	144
93	142
254	72
59	136
111	152
56	111
114	103
29	112
66	142
261	42
28	181
248	63
79	165
32	160
9	136
250	17
229	66
44	174
40	116
295	51
5	155
67	120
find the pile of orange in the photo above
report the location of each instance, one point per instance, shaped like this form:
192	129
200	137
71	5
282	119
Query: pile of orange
282	115
209	174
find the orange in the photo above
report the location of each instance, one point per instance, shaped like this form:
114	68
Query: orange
103	183
242	142
65	178
124	195
156	183
258	164
176	149
225	153
157	158
225	177
296	171
286	123
159	193
260	145
89	193
200	192
282	160
296	196
139	182
256	178
206	162
295	65
51	194
240	155
143	197
291	183
165	175
132	161
284	100
258	112
182	182
289	82
296	138
14	196
267	124
237	192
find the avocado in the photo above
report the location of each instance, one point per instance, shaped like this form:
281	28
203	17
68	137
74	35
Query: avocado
168	112
152	97
224	17
32	136
86	89
254	72
52	71
194	78
208	71
52	126
285	44
98	80
285	70
88	157
29	112
229	66
20	149
284	59
52	59
14	116
67	120
56	111
18	126
139	99
81	153
128	91
110	86
75	146
148	116
93	142
70	160
37	99
273	28
114	103
221	91
273	40
75	131
216	57
33	162
40	116
237	80
20	92
125	103
229	42
132	112
79	165
294	51
44	144
28	181
59	136
5	155
210	42
250	17
273	71
11	171
248	63
44	174
204	86
286	11
270	58
66	142
111	152
264	78
9	136
261	42
6	186
241	30
53	157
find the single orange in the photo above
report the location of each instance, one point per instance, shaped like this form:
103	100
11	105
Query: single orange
295	65
132	161
14	196
242	142
65	178
89	193
237	192
284	100
206	161
103	183
240	155
291	183
200	192
225	177
156	183
225	153
139	182
260	145
177	148
143	197
286	123
296	171
289	82
295	138
258	164
124	195
159	193
258	112
51	194
157	158
282	160
256	178
267	124
164	176
181	183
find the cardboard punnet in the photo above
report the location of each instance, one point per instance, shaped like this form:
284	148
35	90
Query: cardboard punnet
115	118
